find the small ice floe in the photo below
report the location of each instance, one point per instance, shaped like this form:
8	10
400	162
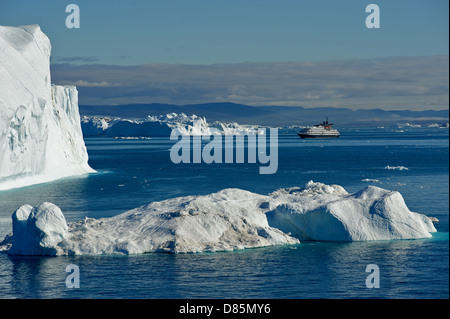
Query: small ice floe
398	168
370	180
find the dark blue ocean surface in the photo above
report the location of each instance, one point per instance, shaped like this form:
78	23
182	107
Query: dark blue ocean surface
131	173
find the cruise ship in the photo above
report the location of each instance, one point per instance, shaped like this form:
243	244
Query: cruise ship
322	130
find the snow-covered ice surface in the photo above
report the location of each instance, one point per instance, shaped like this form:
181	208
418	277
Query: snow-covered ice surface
227	220
160	125
40	132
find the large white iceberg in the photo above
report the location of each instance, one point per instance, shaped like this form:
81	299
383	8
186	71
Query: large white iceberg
227	220
223	221
40	132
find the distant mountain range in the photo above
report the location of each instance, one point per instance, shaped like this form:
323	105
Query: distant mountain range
272	115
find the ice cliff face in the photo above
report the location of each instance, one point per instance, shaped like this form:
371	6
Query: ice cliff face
40	131
227	220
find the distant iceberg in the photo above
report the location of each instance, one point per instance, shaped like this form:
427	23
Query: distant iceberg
160	126
40	132
430	125
370	180
227	220
396	168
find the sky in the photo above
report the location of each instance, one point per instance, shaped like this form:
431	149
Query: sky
306	53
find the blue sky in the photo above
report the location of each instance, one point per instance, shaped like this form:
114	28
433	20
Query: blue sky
205	34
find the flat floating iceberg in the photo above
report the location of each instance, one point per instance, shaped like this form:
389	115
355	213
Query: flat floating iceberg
40	131
227	220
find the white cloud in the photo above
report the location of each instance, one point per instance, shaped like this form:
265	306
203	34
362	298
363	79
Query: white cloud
83	83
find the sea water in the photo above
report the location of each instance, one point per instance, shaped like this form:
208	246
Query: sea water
131	173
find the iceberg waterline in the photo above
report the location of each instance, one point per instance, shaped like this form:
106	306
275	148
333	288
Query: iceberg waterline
227	220
40	131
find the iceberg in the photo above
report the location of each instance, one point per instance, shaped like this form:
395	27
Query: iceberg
160	125
38	230
328	213
228	220
398	168
40	132
371	180
94	126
